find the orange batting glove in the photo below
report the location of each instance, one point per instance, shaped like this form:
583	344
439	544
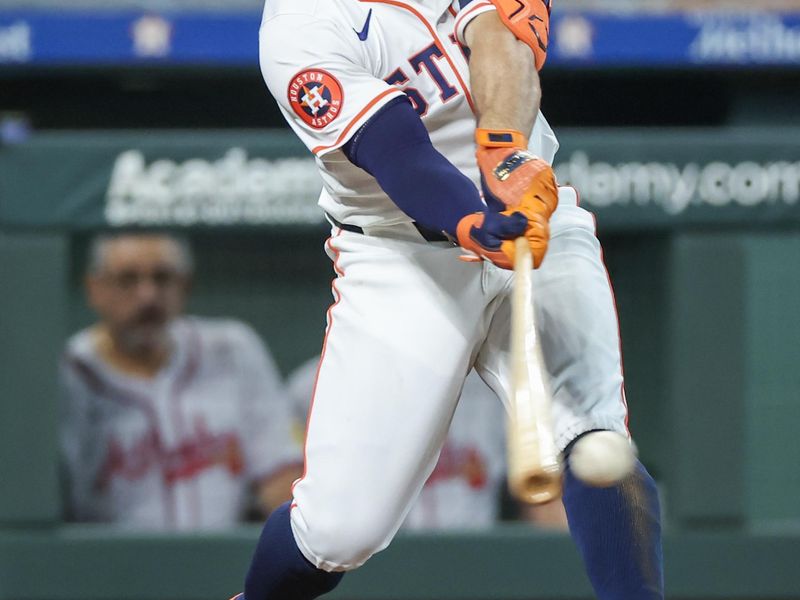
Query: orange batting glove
511	176
514	179
490	235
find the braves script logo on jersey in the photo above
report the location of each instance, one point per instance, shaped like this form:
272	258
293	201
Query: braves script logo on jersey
460	462
199	451
316	96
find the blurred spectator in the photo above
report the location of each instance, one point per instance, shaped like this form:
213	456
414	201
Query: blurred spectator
169	422
465	489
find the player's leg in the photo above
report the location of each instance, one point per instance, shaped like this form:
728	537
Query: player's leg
618	533
616	529
279	570
399	342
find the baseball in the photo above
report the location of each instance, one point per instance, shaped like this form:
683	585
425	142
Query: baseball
602	458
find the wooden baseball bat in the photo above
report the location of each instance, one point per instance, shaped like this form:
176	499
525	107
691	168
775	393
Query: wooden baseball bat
534	462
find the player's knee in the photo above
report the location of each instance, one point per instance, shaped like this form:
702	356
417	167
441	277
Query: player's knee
344	543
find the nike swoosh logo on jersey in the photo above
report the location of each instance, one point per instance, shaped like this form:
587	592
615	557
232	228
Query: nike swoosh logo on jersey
362	35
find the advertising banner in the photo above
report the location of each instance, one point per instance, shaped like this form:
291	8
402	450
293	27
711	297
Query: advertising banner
630	179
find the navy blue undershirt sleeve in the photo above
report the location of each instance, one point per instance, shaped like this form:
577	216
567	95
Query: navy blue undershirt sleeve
394	147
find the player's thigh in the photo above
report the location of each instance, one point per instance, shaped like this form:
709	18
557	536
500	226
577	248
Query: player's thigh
577	328
399	343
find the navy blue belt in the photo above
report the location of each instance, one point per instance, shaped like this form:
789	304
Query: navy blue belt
429	235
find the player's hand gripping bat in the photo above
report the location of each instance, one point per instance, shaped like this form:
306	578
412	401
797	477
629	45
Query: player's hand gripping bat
534	465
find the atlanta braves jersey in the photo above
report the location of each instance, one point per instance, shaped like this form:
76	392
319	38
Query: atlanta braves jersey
333	64
178	451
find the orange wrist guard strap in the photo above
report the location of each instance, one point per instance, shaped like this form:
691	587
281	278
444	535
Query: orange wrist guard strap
500	138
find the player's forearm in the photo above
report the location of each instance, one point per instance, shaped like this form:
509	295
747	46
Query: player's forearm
503	77
394	147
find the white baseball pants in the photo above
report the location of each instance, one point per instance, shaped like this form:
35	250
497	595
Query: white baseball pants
408	322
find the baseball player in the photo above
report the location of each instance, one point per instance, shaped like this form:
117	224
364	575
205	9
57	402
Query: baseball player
383	94
168	421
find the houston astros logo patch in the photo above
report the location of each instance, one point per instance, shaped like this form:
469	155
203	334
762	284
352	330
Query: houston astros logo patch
316	96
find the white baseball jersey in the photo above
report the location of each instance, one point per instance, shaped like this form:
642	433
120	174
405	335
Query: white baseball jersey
333	64
178	451
463	492
409	320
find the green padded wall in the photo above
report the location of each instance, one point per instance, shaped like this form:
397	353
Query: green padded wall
735	386
772	301
32	325
707	379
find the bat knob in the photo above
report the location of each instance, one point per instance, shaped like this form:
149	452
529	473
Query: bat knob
537	488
